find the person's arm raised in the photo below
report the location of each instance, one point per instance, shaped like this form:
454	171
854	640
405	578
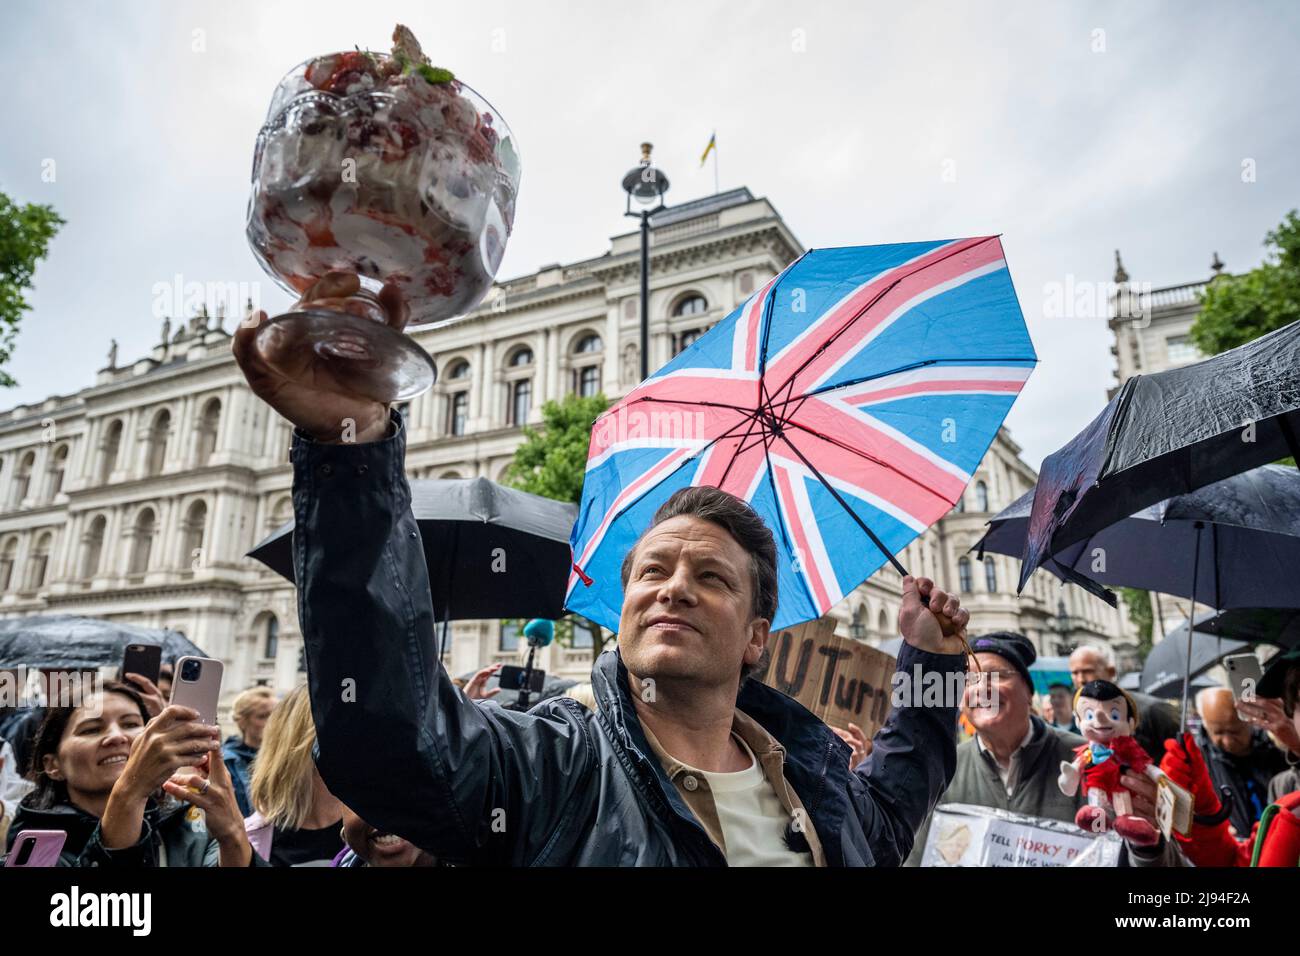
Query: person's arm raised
396	741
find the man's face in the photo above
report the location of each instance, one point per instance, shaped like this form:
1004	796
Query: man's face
1225	728
1087	664
688	606
1060	704
1004	705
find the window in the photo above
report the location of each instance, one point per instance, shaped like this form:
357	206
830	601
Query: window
588	380
509	637
196	518
1180	350
688	338
981	496
23	479
142	542
208	426
57	467
692	304
588	343
459	370
39	562
7	558
961	504
94	547
586	373
158	433
858	625
109	450
302	659
963	575
521	357
990	575
270	638
458	413
521	400
584	633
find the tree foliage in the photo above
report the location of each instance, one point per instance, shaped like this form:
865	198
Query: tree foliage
1237	309
25	234
552	459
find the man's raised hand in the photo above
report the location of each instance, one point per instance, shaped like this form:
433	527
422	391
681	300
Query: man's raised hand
939	627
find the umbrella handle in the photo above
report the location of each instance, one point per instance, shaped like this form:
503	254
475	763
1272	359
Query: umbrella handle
1214	819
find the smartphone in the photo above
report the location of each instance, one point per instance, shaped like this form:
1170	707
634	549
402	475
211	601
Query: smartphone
511	677
1244	674
142	659
196	683
33	848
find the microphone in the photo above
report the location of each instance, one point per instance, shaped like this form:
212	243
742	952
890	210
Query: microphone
539	632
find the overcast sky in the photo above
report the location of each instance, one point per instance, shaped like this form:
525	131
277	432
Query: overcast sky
1071	128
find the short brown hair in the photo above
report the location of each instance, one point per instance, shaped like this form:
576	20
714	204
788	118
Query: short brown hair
739	520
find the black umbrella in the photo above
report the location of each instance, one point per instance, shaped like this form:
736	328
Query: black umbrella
1256	625
1168	434
492	551
1245	531
67	642
1177	658
1167	690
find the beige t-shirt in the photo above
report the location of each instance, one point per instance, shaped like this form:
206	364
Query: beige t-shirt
752	817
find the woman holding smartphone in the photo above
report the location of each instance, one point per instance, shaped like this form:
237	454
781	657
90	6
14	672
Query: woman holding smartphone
98	770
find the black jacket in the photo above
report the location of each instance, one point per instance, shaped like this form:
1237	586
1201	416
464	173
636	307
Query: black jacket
173	829
560	785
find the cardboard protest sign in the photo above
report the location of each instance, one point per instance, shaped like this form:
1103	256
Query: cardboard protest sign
838	679
966	835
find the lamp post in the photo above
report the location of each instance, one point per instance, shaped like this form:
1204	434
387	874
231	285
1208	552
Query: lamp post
646	185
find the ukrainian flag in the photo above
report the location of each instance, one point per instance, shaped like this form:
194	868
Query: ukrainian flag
708	149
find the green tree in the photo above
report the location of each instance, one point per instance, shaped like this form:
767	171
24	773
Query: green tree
25	234
1237	309
551	462
1138	603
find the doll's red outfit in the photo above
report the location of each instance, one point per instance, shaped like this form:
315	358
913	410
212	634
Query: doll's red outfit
1125	754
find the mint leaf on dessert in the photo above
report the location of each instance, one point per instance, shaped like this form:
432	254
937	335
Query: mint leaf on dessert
434	74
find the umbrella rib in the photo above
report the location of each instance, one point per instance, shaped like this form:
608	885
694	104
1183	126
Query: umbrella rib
902	368
768	438
742	449
862	454
685	401
845	505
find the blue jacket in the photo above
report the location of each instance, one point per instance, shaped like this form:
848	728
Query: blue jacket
238	758
560	785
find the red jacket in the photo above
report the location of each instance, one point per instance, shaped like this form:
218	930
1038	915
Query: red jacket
1128	753
1274	840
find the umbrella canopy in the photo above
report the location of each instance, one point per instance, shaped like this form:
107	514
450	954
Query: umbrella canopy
1244	555
491	551
1256	625
67	642
848	401
1168	434
1168	663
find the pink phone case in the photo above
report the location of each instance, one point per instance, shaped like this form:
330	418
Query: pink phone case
48	844
201	694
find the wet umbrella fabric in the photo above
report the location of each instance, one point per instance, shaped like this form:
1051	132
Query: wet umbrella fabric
1168	664
491	551
1168	434
69	642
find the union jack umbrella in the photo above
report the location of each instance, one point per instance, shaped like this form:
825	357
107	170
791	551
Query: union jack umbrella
848	401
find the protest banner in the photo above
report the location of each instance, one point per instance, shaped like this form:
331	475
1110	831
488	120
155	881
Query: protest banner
966	835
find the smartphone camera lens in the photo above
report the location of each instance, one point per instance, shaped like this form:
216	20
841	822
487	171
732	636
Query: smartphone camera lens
190	672
25	851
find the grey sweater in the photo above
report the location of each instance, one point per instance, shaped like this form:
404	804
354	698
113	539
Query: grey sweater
1035	791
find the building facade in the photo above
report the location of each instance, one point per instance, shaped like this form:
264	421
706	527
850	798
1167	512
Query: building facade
137	498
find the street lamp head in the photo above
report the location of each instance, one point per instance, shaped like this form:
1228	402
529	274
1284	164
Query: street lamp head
644	183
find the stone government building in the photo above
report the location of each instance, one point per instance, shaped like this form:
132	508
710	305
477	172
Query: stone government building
136	498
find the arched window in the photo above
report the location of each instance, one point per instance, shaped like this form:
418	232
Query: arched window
109	449
459	369
885	629
22	479
196	519
158	432
589	380
270	638
858	624
521	400
961	504
963	575
981	496
458	413
141	541
588	343
587	364
39	562
57	466
93	547
8	555
209	423
990	575
520	357
692	304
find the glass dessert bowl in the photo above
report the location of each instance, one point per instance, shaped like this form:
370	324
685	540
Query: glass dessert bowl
382	166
